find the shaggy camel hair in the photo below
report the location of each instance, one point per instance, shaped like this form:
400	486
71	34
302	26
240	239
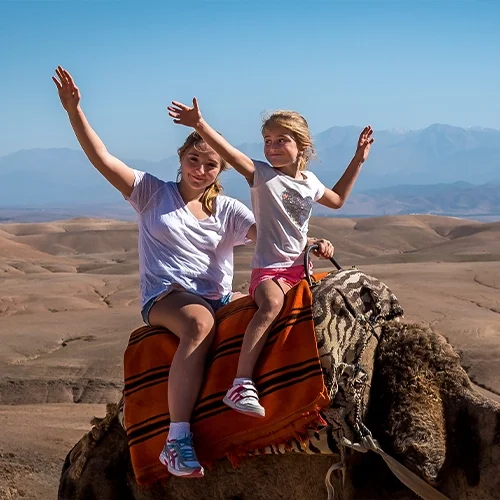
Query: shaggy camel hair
422	410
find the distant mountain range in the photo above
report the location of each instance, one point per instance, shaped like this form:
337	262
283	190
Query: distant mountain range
440	169
455	199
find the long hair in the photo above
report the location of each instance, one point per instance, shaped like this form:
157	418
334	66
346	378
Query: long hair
298	127
208	197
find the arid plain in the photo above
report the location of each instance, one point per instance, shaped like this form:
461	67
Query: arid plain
69	301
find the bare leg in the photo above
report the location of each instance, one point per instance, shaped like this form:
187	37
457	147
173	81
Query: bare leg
269	297
242	396
191	319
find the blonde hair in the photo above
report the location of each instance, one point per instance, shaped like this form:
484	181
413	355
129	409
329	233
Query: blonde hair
298	127
194	140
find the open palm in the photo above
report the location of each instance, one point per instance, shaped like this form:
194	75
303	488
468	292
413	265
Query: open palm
365	142
68	91
185	115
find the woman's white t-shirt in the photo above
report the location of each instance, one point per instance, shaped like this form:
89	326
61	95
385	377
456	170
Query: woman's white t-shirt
175	248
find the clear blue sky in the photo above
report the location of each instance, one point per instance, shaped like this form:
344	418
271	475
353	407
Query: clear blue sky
393	64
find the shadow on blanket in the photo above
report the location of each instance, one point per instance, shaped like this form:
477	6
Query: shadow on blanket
288	377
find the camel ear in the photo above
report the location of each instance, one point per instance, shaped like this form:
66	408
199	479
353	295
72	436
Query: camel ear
78	456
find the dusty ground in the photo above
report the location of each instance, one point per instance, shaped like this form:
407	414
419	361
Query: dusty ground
69	300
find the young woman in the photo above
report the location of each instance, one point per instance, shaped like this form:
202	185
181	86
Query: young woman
187	231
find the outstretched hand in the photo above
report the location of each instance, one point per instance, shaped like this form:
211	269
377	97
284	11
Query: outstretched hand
364	143
68	91
184	115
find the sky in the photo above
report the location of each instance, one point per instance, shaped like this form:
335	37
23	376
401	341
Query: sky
392	64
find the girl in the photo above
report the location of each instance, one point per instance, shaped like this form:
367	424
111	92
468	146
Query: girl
282	194
187	232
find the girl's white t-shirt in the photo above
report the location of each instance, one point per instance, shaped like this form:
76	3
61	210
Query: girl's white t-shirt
282	207
177	248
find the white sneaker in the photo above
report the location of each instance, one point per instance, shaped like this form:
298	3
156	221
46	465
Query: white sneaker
244	398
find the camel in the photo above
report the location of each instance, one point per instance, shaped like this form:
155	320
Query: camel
412	395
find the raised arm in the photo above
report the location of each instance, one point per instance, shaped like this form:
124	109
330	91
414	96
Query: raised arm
336	197
191	117
114	170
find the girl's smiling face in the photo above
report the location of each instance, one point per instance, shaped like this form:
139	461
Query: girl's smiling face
280	146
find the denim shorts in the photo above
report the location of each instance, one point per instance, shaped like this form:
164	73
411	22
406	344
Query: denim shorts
214	304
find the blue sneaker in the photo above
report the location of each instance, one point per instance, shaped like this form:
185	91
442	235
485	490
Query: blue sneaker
180	458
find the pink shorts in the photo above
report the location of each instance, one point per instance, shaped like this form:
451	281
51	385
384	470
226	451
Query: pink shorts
290	275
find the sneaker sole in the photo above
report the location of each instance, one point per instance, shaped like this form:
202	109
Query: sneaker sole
256	413
195	474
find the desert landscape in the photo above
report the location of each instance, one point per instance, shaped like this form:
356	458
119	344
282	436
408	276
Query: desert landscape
70	300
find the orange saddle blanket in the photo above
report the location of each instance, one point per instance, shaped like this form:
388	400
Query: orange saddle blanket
288	377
